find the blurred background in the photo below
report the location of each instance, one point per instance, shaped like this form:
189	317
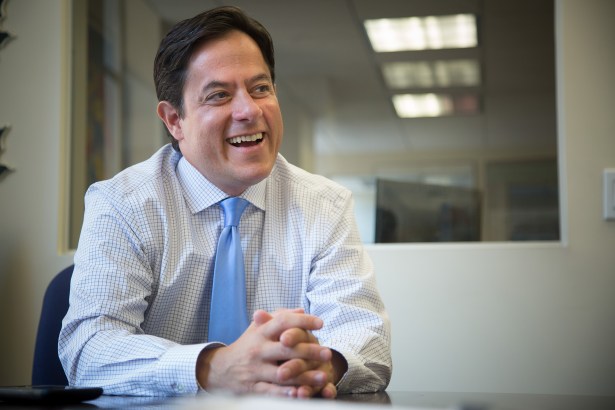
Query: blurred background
445	131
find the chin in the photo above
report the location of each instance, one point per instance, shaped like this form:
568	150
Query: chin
255	179
254	176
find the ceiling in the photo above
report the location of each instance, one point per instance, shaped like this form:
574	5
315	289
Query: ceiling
325	64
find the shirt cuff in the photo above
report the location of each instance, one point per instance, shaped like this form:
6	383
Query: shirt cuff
344	385
177	369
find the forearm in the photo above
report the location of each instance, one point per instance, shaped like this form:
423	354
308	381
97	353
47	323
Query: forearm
344	295
358	328
128	364
360	333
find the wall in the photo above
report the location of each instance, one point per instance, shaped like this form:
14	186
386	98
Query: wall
298	130
133	32
146	130
33	90
35	73
527	317
488	317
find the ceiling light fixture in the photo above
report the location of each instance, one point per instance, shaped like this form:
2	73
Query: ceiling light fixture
422	33
435	105
429	74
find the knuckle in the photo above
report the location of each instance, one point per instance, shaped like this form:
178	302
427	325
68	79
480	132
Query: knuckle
254	352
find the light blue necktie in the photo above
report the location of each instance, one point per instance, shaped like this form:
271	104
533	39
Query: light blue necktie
228	317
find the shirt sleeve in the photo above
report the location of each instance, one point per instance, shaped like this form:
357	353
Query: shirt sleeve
101	342
342	291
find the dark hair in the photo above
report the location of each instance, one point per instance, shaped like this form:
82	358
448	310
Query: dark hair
176	48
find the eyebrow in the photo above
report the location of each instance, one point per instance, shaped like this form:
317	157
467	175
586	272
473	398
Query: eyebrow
261	77
222	84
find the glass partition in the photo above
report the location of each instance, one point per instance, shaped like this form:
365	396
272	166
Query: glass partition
454	141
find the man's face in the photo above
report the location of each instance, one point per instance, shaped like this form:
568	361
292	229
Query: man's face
232	127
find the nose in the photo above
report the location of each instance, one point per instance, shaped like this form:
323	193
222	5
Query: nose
245	108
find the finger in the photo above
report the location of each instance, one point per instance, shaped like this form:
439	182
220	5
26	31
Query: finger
261	317
313	378
288	320
294	336
305	392
237	373
277	352
266	372
301	372
293	310
292	368
329	391
271	389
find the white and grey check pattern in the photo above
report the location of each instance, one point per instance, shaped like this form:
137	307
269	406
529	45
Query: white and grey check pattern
141	287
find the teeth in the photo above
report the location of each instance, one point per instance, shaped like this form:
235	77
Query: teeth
246	138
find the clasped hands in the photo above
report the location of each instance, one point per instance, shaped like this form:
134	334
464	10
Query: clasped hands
277	355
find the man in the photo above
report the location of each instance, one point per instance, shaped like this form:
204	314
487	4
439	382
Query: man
144	267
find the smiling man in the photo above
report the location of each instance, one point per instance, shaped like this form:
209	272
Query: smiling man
231	128
141	304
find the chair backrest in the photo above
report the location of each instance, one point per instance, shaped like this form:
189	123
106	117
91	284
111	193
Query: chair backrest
47	368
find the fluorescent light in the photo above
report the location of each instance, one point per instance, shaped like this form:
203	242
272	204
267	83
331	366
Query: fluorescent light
421	105
434	105
428	74
421	33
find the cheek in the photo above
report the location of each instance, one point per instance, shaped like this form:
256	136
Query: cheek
281	127
208	145
280	131
274	118
207	132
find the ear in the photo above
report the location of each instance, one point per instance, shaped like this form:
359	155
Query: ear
169	115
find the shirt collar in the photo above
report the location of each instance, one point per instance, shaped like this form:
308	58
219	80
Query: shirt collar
200	193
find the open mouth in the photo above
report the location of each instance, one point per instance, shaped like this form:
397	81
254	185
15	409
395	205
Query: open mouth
246	140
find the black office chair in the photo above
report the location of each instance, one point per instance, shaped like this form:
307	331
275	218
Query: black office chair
47	368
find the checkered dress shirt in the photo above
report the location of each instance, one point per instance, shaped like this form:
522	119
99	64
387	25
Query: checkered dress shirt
140	292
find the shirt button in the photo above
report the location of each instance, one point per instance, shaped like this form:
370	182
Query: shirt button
179	388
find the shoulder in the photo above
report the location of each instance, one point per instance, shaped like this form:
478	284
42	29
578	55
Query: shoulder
305	186
144	179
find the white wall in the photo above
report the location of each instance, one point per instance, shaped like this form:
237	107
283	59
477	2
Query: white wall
298	130
488	317
142	33
34	84
524	317
33	89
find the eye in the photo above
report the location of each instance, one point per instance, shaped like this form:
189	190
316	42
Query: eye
217	97
262	90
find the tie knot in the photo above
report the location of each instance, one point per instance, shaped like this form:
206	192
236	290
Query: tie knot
233	207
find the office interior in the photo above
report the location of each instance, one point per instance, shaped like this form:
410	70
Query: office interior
533	316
